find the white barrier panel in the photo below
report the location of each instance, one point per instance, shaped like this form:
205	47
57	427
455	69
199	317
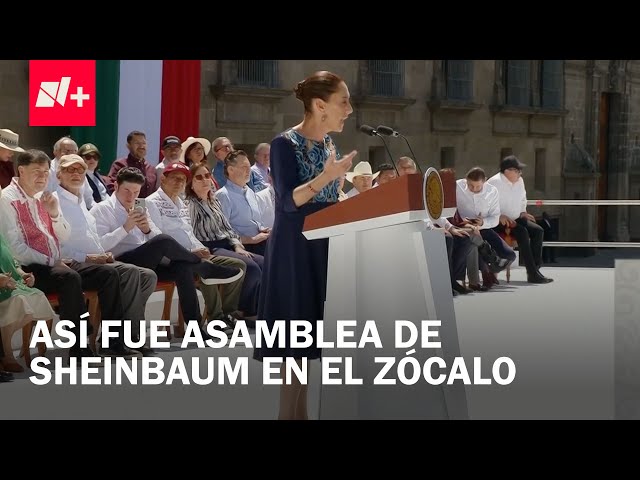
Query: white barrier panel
627	339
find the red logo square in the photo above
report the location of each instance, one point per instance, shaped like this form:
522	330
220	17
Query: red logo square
62	93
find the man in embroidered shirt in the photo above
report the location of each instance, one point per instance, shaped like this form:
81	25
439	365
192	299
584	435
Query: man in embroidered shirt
33	225
83	245
513	214
132	236
169	213
137	146
240	205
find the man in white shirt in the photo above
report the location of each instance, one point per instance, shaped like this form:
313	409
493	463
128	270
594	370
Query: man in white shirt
478	204
33	225
361	178
267	205
133	238
171	216
67	146
83	245
171	149
513	215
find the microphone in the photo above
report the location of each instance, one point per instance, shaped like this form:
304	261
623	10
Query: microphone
369	130
390	132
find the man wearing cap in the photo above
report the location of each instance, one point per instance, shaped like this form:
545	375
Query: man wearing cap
91	156
137	146
171	149
169	213
362	178
8	146
83	245
513	215
67	146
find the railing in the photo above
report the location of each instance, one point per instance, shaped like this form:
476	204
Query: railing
540	203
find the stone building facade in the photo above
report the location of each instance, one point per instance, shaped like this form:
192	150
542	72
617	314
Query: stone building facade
575	123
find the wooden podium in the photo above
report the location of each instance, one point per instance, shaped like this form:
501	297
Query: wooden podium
384	265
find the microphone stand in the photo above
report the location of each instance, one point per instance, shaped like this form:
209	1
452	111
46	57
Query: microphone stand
411	150
389	153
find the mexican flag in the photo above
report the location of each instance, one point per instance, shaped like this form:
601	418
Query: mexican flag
157	97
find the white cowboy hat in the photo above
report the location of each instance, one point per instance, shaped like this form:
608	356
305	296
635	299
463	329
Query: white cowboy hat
362	168
9	140
206	144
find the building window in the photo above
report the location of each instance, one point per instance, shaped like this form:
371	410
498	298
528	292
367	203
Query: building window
518	82
256	73
540	170
386	77
551	80
447	157
377	156
459	79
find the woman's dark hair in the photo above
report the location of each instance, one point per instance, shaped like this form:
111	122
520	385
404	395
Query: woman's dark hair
319	85
193	169
189	162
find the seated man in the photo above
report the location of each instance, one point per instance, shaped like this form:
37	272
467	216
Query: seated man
34	228
513	214
386	173
362	178
170	215
83	245
477	204
406	166
458	244
240	205
133	238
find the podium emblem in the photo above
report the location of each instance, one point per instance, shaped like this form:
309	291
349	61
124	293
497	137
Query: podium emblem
433	194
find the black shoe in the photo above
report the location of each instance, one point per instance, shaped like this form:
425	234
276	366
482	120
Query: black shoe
6	377
478	288
460	289
538	278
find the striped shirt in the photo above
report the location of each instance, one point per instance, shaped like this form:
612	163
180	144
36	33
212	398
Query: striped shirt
208	220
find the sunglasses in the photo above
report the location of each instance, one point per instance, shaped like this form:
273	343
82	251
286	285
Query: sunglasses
202	176
90	157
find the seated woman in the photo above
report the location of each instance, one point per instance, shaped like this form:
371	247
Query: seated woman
19	304
212	228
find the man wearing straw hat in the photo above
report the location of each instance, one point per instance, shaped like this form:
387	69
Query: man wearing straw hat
8	146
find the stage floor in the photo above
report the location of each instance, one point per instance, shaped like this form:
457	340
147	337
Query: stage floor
559	335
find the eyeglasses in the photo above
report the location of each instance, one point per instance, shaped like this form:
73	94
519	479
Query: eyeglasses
228	147
202	176
73	169
90	156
